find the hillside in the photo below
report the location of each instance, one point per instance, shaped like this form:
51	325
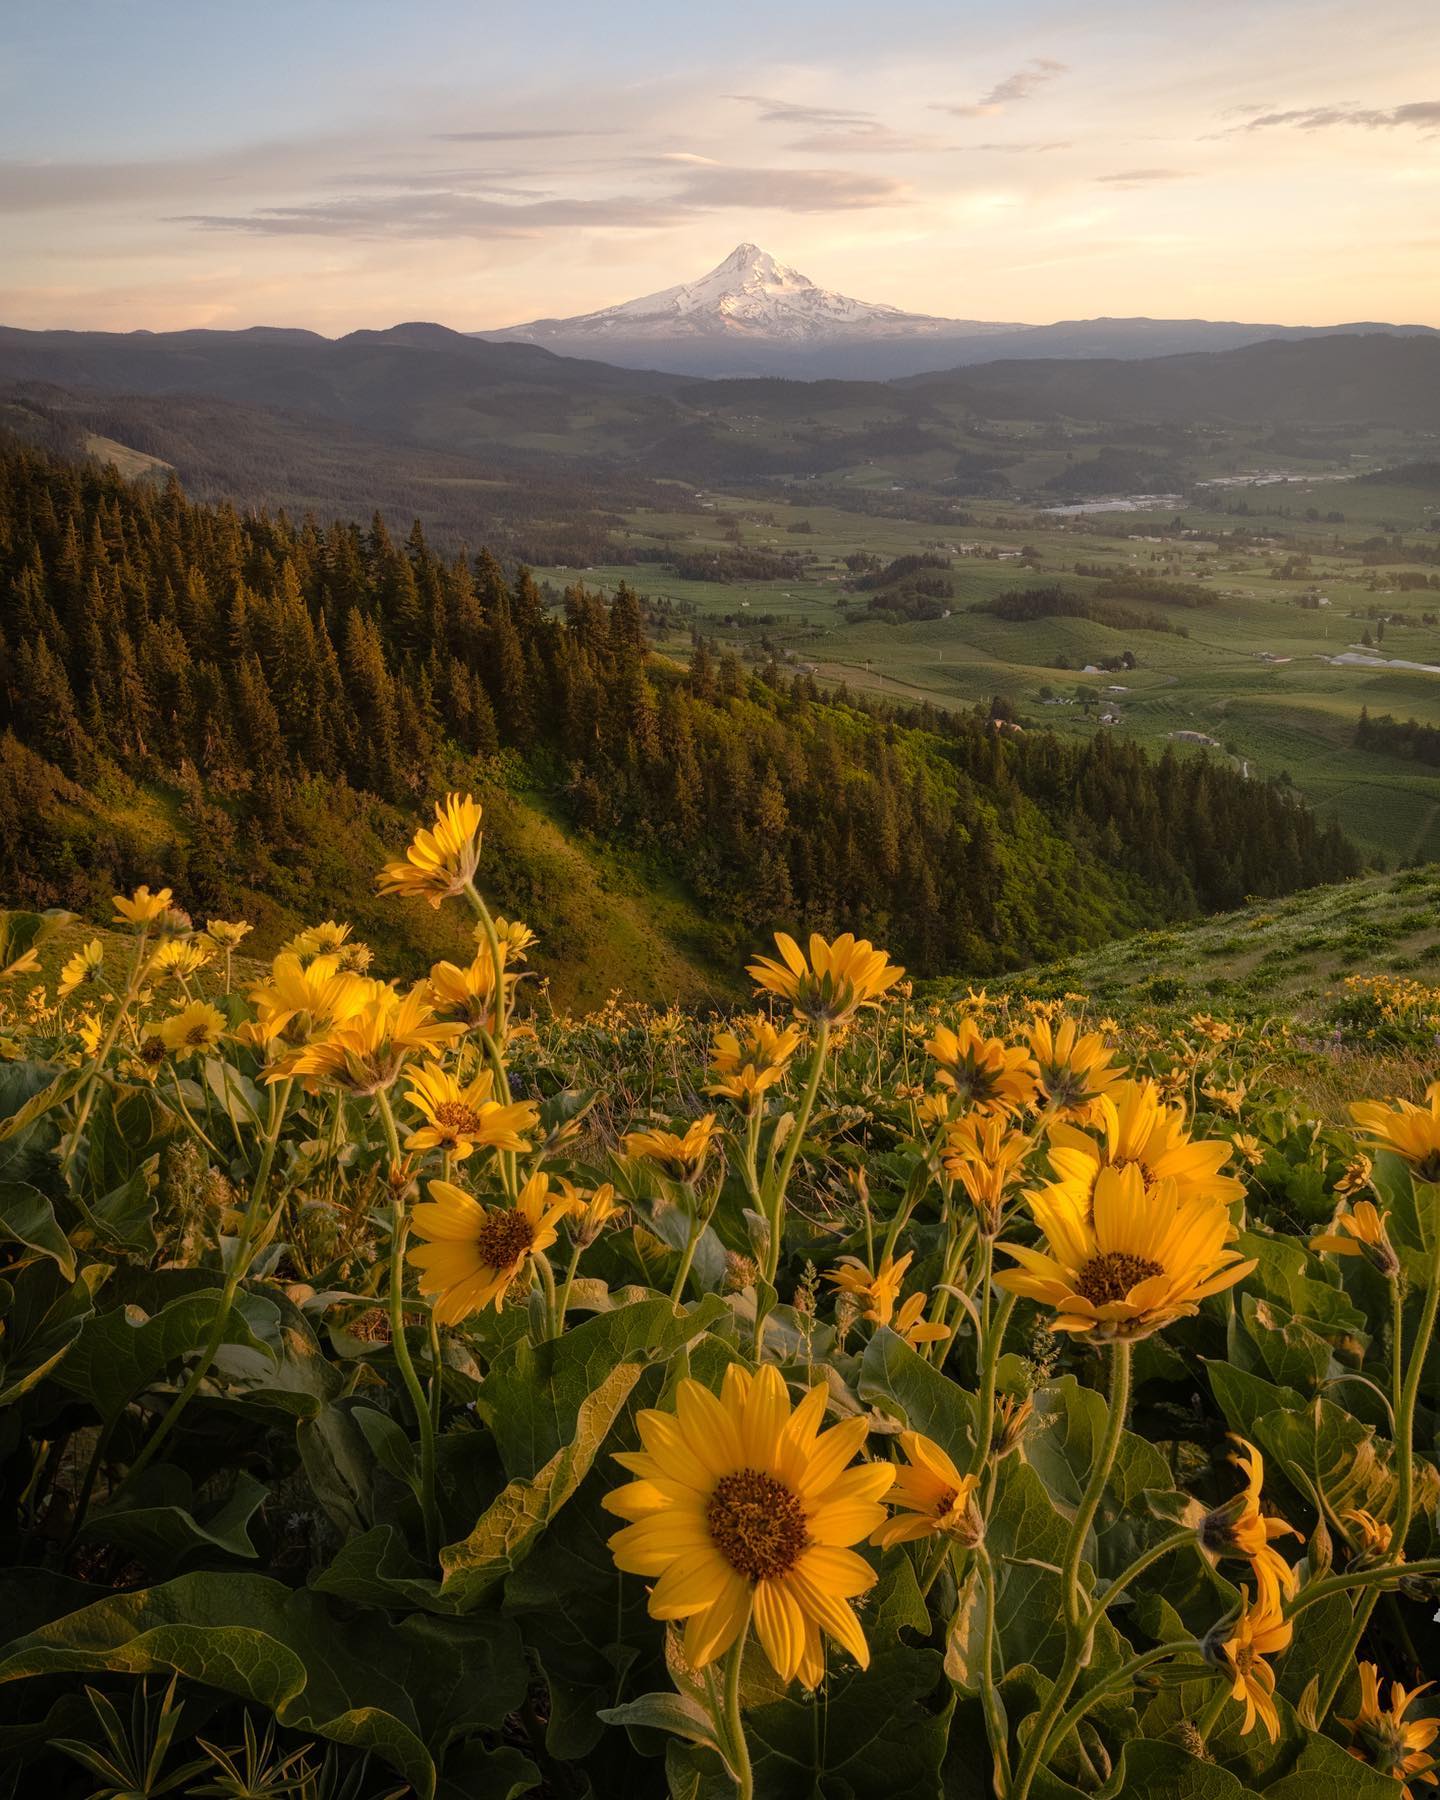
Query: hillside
1290	957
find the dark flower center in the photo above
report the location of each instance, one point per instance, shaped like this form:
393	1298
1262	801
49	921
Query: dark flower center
152	1050
457	1118
504	1237
1111	1275
198	1035
757	1524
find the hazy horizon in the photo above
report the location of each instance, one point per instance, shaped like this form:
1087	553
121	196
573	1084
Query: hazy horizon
327	170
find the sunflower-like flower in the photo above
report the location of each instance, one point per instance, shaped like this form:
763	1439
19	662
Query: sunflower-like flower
1360	1231
931	1497
82	969
985	1155
911	1324
1248	1148
833	983
298	1001
988	1074
1124	1262
463	1117
1356	1175
680	1158
1142	1131
1075	1068
744	1510
469	992
1412	1132
331	938
442	860
1240	1529
744	1067
199	1026
591	1213
142	907
473	1254
1388	1737
180	957
1261	1630
226	934
1372	1537
515	938
879	1292
367	1050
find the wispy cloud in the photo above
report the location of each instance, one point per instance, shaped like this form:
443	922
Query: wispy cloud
1424	115
437	213
1034	147
790	112
520	137
1022	85
1143	177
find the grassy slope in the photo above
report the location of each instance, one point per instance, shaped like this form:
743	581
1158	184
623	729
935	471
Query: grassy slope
1287	957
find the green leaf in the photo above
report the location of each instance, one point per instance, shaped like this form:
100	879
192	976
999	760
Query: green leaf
376	1569
158	1525
27	1217
1162	1771
402	1691
674	1713
43	1318
42	1100
899	1380
391	1448
120	1353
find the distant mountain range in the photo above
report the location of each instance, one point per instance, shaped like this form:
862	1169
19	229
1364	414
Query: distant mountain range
752	315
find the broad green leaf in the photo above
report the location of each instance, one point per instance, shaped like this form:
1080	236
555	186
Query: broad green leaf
899	1380
402	1691
510	1525
159	1524
27	1217
120	1353
391	1448
43	1317
1162	1771
676	1714
55	1092
376	1569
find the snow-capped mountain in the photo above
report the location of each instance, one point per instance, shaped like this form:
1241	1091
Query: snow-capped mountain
749	314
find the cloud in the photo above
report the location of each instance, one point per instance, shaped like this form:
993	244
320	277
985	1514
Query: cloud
1143	177
1424	115
1037	147
863	139
1022	85
449	213
520	137
789	112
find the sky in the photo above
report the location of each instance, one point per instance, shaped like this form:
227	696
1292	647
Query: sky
340	164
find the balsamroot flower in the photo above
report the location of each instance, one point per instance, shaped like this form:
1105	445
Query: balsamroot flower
680	1158
591	1213
1140	1129
225	934
985	1155
1360	1231
469	992
367	1050
880	1291
1260	1631
299	1001
834	982
1075	1068
1412	1132
473	1254
180	957
82	969
199	1026
143	907
331	938
987	1074
1387	1737
745	1510
1240	1529
931	1497
744	1067
1123	1262
1372	1537
463	1118
442	860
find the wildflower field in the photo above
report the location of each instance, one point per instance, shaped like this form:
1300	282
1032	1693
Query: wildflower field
408	1391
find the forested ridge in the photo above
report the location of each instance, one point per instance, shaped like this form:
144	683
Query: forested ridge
247	674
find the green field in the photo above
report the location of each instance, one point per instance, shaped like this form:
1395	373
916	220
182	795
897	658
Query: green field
1253	674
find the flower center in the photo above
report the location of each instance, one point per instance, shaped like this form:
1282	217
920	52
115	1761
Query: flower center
503	1238
455	1116
152	1050
198	1035
1111	1275
945	1504
1428	1168
1147	1174
757	1524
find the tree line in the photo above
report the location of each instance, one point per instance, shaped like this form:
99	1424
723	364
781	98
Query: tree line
236	664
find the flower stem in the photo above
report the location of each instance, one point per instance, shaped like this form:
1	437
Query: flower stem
1079	1627
776	1208
734	1723
562	1305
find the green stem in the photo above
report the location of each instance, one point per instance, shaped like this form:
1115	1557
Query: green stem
1178	1540
997	1724
990	1358
692	1244
734	1723
1404	1469
547	1282
1376	1577
562	1306
399	1231
1210	1718
1107	1685
497	961
1078	1627
239	1268
776	1209
107	1044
